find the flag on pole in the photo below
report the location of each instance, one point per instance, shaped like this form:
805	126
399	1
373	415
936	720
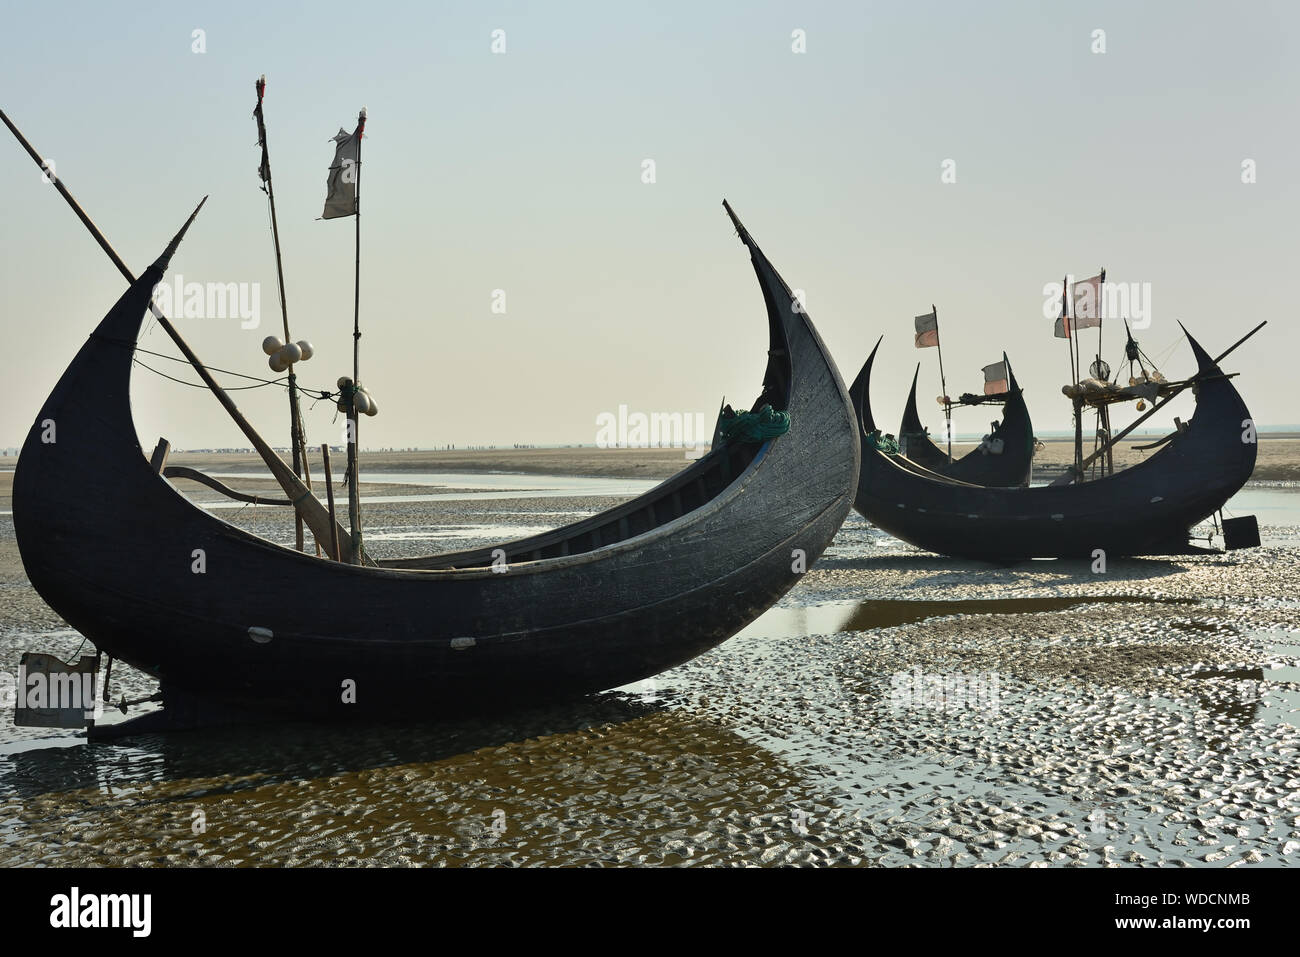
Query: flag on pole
927	330
995	378
263	168
341	187
1087	303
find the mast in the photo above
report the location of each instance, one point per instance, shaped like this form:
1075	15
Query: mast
1101	309
1074	327
303	500
1103	411
1065	325
943	382
297	434
354	445
1077	400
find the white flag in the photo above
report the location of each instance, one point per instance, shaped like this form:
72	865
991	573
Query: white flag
341	187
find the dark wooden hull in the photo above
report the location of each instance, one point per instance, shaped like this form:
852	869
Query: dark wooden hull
111	546
1146	509
1009	468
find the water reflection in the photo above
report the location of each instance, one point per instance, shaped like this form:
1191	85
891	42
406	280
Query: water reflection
829	619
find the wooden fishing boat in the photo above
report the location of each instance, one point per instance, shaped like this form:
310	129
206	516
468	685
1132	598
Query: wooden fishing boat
232	624
1147	509
1004	458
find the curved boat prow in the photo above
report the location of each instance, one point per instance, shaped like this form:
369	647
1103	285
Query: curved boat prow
911	424
1205	365
859	392
105	357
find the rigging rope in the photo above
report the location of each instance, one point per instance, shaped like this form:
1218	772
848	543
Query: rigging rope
201	385
241	375
283	382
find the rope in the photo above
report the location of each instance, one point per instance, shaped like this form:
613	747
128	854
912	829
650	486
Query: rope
201	385
283	382
240	375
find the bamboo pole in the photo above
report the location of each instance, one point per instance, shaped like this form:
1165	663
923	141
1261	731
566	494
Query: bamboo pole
354	438
943	382
1065	327
306	478
329	494
297	434
1101	308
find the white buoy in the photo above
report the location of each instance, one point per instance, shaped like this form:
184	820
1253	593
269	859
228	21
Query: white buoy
290	353
344	382
361	402
373	408
271	345
305	347
277	363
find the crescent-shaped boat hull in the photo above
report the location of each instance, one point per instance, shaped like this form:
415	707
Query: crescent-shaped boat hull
1011	467
220	615
1146	509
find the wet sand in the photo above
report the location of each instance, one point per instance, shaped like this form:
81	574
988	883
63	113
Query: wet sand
896	708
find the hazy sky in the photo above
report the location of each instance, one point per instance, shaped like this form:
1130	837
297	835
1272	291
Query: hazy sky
522	171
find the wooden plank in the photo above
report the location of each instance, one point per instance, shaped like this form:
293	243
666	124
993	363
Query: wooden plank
158	461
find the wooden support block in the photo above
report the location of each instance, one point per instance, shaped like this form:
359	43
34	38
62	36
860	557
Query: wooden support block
158	460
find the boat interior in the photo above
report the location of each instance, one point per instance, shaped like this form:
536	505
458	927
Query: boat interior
689	490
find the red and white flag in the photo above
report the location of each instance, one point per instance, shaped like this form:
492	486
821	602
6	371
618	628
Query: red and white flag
995	378
1087	302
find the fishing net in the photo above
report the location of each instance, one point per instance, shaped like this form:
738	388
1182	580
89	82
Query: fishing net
885	443
758	426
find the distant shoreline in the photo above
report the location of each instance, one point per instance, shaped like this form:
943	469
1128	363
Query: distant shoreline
1279	460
